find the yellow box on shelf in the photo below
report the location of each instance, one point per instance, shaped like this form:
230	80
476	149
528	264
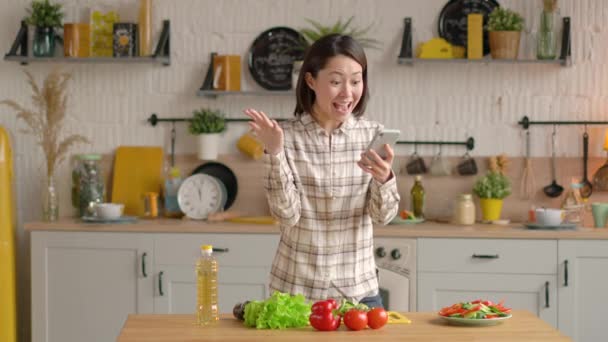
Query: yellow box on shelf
474	36
439	48
227	72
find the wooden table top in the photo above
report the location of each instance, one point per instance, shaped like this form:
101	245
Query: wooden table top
425	326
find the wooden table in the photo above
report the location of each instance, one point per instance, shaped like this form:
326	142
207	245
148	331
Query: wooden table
425	326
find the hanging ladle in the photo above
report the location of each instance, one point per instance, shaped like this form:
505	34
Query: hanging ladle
553	189
586	188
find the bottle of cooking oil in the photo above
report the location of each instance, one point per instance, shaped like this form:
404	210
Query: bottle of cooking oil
417	193
206	279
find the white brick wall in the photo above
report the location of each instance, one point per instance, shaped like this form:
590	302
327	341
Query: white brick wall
110	103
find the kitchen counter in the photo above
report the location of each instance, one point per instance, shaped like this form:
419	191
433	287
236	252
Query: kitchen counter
427	229
425	326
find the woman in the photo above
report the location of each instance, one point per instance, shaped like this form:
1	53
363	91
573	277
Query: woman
322	185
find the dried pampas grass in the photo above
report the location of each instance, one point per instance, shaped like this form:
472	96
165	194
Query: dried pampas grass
550	5
46	120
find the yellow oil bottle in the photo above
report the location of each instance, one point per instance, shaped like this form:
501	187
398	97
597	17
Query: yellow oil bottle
206	279
8	319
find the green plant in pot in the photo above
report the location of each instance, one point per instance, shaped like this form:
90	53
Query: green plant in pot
207	124
317	30
45	17
504	26
491	189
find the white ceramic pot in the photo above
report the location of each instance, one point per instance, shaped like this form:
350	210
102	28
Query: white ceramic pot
208	146
549	217
108	211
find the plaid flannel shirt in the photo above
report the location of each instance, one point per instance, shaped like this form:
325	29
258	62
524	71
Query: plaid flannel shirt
326	206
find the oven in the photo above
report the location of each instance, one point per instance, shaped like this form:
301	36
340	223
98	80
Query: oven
396	263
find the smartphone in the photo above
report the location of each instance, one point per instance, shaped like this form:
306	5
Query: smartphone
385	136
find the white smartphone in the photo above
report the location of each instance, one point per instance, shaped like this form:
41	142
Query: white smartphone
385	136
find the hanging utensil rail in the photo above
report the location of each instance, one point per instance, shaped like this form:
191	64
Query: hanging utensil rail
154	119
470	143
526	123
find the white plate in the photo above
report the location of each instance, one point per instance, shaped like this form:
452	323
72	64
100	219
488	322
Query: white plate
475	322
399	220
122	219
550	227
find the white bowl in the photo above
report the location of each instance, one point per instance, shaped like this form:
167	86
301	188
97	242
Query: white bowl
109	211
549	217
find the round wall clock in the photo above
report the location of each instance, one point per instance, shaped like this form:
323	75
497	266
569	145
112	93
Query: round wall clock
200	195
453	20
271	57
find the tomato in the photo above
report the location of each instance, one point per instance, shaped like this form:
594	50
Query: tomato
376	318
355	319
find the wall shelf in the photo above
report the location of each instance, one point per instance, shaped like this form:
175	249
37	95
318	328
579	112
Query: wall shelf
216	93
162	53
406	54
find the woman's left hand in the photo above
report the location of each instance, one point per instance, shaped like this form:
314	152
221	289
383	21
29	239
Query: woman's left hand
379	168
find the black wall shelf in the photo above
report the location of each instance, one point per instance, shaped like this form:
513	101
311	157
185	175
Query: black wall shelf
161	55
406	55
215	93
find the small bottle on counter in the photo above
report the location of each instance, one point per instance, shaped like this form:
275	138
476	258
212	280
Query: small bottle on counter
464	212
417	193
207	310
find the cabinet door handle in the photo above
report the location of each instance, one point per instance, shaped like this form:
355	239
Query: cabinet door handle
220	250
485	256
566	273
160	283
143	265
546	294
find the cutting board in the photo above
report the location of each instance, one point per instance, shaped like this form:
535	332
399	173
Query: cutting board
137	169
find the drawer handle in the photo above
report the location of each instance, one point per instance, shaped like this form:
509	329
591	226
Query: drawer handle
220	250
160	283
143	265
485	256
566	273
546	294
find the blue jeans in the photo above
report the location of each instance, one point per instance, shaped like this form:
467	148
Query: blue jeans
373	301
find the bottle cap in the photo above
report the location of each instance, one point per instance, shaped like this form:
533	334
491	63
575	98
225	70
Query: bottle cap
418	178
206	247
466	197
174	172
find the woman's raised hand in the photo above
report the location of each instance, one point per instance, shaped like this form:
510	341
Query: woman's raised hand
267	130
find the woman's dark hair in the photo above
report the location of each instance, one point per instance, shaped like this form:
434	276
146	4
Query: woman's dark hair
316	58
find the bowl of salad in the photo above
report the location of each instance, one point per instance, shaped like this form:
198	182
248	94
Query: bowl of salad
477	313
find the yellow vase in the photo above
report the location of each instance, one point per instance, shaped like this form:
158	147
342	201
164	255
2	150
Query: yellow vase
490	208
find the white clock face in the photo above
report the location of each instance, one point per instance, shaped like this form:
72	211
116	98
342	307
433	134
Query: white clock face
200	195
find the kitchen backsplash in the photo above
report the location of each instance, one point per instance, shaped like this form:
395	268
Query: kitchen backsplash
441	191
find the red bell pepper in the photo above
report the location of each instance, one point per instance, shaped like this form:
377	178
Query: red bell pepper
323	317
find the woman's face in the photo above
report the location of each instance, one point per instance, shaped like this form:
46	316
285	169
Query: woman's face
338	88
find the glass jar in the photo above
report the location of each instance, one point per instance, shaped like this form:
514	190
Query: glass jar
464	212
50	201
90	186
546	47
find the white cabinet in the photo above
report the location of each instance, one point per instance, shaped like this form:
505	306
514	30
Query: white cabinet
583	289
522	272
244	267
85	284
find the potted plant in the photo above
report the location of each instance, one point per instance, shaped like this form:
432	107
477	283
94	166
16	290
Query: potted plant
318	30
207	124
45	17
491	190
504	26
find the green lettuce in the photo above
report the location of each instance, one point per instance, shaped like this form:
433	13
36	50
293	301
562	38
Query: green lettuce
280	311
